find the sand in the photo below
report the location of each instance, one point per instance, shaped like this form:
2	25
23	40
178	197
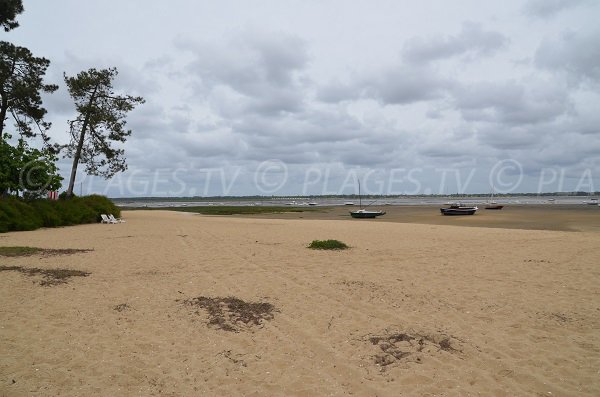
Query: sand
529	217
411	309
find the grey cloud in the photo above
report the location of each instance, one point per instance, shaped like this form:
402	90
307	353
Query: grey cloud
571	152
263	69
576	54
512	138
152	121
312	126
548	8
511	102
407	84
212	144
336	91
413	79
472	39
59	102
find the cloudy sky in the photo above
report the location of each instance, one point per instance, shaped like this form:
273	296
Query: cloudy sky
305	97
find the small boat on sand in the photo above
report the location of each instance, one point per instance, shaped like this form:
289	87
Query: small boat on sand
364	213
491	204
457	209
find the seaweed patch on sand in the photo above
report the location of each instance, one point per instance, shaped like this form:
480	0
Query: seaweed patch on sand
50	276
394	348
231	313
30	251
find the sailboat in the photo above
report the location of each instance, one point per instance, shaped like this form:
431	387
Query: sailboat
364	213
492	205
593	200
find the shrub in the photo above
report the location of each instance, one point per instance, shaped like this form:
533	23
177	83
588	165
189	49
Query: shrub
327	245
17	214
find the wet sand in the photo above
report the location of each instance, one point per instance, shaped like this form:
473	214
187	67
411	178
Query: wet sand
529	217
411	309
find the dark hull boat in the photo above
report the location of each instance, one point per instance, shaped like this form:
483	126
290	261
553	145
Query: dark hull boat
491	204
458	210
364	213
494	207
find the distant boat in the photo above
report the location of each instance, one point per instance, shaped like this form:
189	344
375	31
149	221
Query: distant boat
364	213
593	201
348	203
312	203
458	209
492	205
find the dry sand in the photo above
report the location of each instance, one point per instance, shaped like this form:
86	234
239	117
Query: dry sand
410	309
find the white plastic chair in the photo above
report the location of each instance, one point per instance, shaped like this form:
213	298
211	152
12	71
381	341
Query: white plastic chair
115	220
106	219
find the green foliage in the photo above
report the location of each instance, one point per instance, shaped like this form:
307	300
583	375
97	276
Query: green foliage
328	245
9	9
17	214
21	85
28	170
100	121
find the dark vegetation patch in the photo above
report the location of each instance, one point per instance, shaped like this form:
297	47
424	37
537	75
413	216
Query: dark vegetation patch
327	245
50	276
396	348
17	214
29	251
122	307
230	313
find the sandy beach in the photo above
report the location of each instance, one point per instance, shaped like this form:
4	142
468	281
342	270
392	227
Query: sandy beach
427	308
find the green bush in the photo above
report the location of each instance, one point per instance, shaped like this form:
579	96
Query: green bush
327	245
17	214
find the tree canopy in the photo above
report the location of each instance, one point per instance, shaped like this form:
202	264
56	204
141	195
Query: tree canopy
9	9
100	122
21	85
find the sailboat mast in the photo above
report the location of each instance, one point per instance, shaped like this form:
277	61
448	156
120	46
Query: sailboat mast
359	196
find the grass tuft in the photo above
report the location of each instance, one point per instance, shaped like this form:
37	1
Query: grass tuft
327	245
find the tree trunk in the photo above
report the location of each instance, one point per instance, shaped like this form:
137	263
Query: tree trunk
76	159
4	105
80	146
3	109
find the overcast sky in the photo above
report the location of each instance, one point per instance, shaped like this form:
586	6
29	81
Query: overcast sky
303	97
